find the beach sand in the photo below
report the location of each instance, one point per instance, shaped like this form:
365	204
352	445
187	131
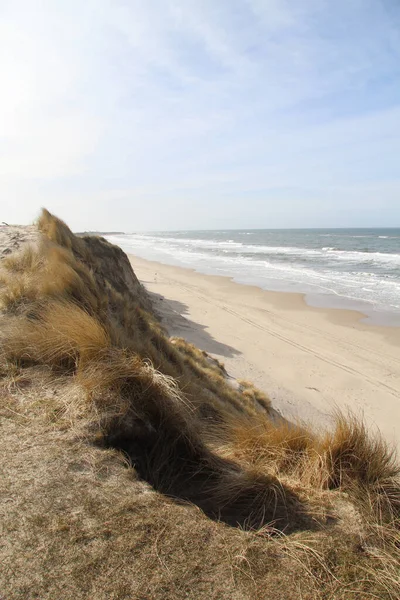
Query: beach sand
308	360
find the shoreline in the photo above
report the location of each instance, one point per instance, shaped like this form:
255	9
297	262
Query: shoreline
318	298
286	299
309	360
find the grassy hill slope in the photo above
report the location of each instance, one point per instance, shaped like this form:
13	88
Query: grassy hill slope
134	467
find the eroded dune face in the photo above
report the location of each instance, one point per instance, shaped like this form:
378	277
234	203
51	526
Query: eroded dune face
76	305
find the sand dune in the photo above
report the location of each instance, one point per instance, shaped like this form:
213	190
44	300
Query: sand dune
132	466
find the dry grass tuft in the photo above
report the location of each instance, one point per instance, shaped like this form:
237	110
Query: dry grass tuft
254	396
349	458
57	333
352	453
361	462
46	271
278	447
58	232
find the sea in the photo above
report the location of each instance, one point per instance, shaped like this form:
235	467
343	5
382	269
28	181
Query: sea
339	268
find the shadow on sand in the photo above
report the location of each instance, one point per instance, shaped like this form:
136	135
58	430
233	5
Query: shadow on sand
172	313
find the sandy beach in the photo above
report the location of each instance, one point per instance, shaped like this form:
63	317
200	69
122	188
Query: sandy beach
308	360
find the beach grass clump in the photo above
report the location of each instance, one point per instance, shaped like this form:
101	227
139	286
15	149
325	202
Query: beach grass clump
351	453
349	457
58	334
274	446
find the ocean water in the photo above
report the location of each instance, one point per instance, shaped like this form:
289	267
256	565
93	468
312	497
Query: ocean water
349	268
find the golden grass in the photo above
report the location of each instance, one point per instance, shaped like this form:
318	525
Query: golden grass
87	369
349	457
352	453
58	334
278	447
58	232
46	272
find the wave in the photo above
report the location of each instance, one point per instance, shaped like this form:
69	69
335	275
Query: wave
364	255
366	276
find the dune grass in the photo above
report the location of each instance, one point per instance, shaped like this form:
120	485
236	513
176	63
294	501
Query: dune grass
85	360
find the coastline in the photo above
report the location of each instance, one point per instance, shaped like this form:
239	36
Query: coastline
321	294
309	360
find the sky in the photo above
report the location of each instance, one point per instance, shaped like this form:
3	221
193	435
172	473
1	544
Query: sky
200	114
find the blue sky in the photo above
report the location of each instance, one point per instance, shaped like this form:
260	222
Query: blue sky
192	114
